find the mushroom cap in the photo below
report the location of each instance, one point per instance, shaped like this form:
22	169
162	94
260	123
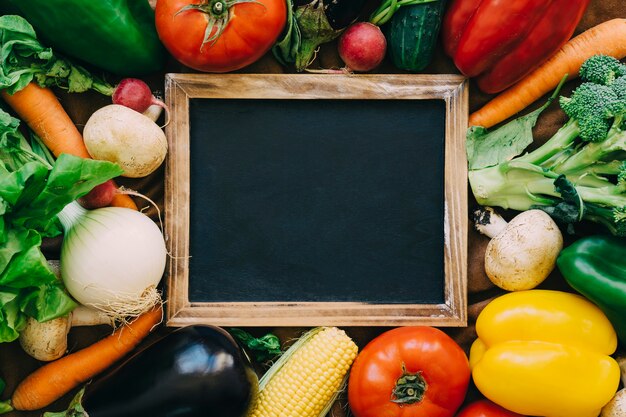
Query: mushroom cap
524	254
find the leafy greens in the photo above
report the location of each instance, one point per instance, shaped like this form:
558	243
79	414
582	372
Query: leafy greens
33	191
24	59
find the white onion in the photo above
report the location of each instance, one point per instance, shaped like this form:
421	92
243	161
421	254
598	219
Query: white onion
112	258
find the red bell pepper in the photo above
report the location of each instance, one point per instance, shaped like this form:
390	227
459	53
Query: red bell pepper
500	42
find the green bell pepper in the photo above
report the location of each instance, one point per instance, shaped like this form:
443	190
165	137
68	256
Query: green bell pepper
595	266
118	36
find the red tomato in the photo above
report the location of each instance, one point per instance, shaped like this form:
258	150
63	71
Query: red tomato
393	366
485	408
249	31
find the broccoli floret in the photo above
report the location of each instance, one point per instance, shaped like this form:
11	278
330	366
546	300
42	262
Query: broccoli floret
602	69
580	172
594	106
619	87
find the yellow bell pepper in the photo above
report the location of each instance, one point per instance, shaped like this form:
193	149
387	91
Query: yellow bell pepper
545	353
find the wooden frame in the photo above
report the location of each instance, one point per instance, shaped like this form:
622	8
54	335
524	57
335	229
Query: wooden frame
180	88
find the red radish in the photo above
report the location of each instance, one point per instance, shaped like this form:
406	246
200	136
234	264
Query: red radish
362	47
136	94
100	196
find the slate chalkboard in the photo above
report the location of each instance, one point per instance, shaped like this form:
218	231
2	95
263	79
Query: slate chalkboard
311	206
317	200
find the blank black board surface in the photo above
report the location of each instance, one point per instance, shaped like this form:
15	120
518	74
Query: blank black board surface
317	200
312	200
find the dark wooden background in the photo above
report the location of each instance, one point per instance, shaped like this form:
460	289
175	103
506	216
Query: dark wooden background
15	364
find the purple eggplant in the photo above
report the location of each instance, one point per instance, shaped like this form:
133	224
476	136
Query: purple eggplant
311	23
195	371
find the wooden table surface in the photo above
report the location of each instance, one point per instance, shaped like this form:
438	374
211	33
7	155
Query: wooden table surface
15	364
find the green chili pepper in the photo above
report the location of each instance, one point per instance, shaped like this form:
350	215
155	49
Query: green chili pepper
118	36
595	266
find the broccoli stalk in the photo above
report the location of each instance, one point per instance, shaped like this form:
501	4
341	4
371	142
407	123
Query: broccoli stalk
579	173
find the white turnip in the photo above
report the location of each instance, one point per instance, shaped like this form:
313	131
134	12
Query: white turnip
362	47
118	134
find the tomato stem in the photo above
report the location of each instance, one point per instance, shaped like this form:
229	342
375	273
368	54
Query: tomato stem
410	388
218	15
218	7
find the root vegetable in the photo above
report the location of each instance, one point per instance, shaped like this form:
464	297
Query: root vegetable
100	196
47	341
522	253
136	94
154	112
112	259
50	382
118	134
362	47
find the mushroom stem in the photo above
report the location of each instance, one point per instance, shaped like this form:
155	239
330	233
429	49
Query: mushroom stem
47	341
488	222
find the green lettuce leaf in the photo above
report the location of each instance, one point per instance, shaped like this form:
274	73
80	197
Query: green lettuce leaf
11	319
24	59
71	177
32	192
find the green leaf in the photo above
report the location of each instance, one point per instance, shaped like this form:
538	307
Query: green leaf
264	348
32	193
20	53
71	178
307	28
18	240
569	211
12	321
21	187
25	59
5	407
47	302
488	148
570	195
286	48
27	268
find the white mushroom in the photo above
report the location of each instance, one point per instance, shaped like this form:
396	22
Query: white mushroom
617	406
522	253
47	341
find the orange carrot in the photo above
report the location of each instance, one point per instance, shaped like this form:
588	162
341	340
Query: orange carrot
55	379
40	109
608	38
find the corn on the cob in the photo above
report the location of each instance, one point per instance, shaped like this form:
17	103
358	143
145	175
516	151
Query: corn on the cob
307	378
